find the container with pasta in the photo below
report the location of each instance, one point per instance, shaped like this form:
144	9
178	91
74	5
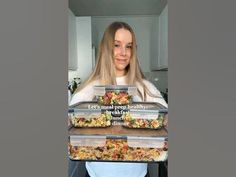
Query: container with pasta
151	119
115	94
89	115
128	149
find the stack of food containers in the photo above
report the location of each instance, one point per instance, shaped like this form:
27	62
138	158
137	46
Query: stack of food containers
114	128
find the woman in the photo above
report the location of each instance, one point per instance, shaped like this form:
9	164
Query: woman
117	64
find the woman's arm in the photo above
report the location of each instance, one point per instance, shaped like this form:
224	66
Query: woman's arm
155	91
86	94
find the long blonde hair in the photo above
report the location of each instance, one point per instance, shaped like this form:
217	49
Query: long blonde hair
104	70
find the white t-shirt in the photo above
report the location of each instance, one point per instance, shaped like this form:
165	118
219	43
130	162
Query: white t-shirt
116	169
87	93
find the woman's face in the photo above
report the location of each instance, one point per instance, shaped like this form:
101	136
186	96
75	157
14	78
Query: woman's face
122	50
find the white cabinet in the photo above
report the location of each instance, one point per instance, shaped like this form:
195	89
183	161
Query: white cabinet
84	46
163	40
79	47
72	42
160	60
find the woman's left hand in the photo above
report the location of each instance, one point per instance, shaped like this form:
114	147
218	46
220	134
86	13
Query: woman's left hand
166	121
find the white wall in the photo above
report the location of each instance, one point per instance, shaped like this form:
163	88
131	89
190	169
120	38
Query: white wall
144	28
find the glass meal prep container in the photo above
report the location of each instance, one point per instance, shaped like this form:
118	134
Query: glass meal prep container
88	115
115	94
117	143
151	119
147	115
118	148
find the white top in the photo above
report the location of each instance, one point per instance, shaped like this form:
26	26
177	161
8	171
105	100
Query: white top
116	169
87	93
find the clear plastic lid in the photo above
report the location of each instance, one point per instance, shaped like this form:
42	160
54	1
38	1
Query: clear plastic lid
144	114
88	111
88	114
99	141
147	142
91	106
96	141
102	89
147	106
142	106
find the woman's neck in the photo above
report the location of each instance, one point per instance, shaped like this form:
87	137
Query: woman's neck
120	73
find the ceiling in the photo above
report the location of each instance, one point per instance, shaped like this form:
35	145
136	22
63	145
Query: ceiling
116	7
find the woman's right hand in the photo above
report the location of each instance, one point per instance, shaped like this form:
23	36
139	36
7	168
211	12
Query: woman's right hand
166	121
